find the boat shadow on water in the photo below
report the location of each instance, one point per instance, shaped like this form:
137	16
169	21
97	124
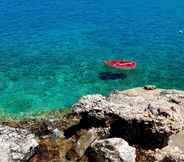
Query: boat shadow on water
111	76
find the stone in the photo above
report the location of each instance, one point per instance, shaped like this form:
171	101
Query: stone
166	154
53	149
170	154
174	100
112	150
85	140
16	144
65	150
177	140
150	87
143	117
56	133
103	128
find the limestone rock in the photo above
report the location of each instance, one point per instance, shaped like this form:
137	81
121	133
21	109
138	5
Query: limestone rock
65	150
103	129
52	149
16	144
112	150
150	87
166	154
177	140
139	116
80	147
56	133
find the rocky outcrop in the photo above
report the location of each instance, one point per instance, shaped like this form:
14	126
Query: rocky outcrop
146	117
133	125
85	140
112	150
167	154
16	144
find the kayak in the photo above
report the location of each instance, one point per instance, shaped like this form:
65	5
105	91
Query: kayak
122	64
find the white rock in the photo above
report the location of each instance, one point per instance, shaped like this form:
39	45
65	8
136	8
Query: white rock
16	144
57	133
113	150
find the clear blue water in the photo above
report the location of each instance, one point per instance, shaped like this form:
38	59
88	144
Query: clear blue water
52	52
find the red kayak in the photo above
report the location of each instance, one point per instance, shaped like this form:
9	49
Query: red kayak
122	64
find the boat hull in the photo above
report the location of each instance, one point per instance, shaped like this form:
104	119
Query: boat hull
120	64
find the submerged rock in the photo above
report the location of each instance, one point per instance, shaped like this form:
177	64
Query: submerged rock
16	144
112	150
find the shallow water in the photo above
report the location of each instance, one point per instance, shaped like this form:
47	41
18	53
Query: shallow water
52	52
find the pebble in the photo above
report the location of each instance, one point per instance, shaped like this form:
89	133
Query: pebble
57	133
150	87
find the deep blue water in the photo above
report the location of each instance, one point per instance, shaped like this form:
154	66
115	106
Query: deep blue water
52	52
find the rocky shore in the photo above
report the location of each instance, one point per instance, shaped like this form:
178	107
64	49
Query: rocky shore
136	125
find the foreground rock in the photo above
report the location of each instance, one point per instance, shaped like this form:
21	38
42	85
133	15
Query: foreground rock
112	150
66	150
133	125
84	141
16	144
167	154
147	117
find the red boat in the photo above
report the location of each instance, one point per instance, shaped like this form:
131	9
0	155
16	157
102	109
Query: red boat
122	64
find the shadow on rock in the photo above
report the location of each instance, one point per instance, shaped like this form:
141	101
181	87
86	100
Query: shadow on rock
111	76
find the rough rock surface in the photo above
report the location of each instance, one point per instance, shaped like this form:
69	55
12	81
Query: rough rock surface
85	140
112	150
167	154
140	116
66	150
177	141
143	121
16	144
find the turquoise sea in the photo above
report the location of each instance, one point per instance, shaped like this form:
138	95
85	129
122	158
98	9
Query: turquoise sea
52	52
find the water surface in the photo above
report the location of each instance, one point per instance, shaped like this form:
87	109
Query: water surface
52	52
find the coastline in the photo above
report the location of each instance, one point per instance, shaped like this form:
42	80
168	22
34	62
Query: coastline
142	119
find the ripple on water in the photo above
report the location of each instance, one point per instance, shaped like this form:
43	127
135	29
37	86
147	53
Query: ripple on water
51	54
